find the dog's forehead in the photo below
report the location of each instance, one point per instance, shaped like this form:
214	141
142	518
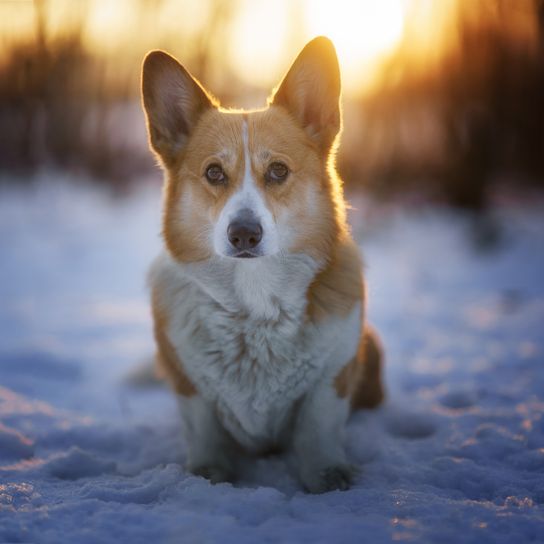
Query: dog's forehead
274	128
218	130
261	132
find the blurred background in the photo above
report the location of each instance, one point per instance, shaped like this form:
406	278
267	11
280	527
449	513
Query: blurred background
443	99
443	160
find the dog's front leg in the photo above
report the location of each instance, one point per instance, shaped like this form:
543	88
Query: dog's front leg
210	450
318	440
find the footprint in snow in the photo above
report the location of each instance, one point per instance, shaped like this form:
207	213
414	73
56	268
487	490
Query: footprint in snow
408	424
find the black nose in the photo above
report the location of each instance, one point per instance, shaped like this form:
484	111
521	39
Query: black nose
245	232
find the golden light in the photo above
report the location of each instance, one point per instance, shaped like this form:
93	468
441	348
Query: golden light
260	34
267	35
109	23
363	32
261	37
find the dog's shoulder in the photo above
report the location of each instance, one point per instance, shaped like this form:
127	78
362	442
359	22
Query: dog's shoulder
339	286
164	281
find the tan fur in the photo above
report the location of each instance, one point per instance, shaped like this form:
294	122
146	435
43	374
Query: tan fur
168	362
284	132
300	231
191	204
294	93
173	102
339	286
315	227
360	379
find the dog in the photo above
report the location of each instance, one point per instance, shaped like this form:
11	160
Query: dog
258	298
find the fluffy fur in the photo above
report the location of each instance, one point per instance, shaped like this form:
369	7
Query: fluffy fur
270	351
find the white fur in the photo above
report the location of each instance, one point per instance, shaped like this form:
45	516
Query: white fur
263	371
247	197
209	445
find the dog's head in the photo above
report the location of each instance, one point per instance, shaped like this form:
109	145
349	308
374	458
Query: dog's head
248	184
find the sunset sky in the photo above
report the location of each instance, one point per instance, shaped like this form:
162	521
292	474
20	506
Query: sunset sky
263	34
257	39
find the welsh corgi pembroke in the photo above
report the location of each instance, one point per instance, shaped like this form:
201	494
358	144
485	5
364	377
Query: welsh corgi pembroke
258	297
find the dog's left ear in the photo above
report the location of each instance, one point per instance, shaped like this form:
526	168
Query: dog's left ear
311	91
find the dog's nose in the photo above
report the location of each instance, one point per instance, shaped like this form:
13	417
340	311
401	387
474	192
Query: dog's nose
245	232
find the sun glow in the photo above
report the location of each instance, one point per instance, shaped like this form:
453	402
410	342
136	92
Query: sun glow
266	35
363	32
257	38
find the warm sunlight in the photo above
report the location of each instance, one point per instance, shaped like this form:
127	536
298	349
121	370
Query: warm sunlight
361	31
109	23
264	35
198	296
261	33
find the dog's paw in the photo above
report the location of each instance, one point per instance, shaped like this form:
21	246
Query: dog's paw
332	478
215	473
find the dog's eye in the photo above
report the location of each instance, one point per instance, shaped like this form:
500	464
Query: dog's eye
276	172
215	175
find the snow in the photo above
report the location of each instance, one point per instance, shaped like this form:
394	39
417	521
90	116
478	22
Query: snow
87	454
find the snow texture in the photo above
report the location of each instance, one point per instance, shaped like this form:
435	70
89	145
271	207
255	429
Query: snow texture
87	455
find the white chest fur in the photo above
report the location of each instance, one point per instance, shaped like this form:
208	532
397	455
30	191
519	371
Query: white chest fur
241	330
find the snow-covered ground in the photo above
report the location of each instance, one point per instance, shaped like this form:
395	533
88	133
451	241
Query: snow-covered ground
455	455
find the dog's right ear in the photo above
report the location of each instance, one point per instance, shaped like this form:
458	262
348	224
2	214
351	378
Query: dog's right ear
173	101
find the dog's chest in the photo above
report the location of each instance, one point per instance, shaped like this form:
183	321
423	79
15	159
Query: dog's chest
245	342
254	369
252	353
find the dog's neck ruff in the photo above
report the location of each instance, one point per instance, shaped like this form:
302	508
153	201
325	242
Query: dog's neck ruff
261	288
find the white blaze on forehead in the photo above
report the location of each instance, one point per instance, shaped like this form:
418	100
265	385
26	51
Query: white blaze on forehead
248	197
248	179
249	191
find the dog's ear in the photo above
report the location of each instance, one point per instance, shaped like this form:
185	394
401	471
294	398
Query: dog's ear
173	101
311	91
